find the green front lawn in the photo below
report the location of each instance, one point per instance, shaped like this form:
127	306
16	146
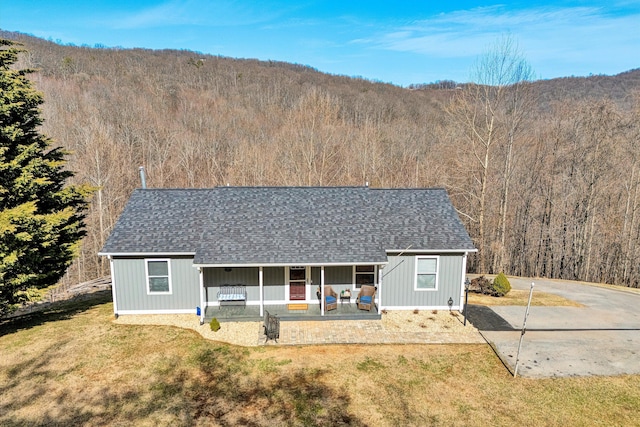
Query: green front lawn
73	366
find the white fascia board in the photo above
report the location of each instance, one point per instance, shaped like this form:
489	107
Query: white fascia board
146	254
167	311
430	251
295	264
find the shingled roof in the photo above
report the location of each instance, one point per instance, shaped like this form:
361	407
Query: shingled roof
287	225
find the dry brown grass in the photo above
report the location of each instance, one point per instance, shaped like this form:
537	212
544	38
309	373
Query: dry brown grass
521	297
76	367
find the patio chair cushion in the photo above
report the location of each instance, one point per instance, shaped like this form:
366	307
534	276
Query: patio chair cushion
330	299
365	299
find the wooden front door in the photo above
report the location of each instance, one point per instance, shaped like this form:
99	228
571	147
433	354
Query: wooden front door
297	283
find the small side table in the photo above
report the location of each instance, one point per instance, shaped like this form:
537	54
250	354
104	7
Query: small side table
345	295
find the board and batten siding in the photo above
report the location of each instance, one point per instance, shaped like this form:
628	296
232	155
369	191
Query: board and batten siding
338	275
273	283
219	276
274	278
131	287
399	278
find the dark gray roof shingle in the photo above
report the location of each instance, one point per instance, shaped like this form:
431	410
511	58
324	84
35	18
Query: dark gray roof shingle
287	225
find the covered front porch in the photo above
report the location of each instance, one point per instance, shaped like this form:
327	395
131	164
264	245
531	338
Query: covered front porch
289	292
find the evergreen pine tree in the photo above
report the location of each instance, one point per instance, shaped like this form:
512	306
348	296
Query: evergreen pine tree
41	216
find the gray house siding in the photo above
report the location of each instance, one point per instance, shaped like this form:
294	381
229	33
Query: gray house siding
272	279
274	290
397	284
131	287
273	283
399	280
339	275
216	277
315	279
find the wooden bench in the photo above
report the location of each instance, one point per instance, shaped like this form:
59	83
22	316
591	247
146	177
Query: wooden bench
233	295
271	327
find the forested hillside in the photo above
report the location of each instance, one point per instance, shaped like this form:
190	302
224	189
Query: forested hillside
550	186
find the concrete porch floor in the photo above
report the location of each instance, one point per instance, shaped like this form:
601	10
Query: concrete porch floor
237	313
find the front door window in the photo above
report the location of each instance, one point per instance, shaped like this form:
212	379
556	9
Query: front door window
297	283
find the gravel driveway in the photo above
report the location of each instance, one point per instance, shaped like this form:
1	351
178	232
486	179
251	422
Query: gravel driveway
601	338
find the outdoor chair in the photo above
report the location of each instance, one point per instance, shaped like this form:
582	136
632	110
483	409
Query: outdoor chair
330	298
365	297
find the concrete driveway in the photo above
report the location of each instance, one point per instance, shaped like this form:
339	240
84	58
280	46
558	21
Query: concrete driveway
601	338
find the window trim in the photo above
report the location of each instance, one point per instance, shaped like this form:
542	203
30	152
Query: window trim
354	283
437	273
147	276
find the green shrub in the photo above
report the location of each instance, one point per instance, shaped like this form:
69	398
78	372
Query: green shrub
501	285
215	325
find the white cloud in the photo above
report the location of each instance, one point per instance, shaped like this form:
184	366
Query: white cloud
169	13
543	33
195	12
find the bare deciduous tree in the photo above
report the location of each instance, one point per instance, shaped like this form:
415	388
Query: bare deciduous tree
545	174
491	112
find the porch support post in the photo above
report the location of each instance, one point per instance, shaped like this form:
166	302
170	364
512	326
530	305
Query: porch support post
261	289
322	290
113	287
379	293
462	280
203	303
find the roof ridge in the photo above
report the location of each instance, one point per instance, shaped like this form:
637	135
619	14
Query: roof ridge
248	187
175	189
408	188
292	186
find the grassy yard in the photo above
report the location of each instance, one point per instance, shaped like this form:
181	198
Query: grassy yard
521	297
73	366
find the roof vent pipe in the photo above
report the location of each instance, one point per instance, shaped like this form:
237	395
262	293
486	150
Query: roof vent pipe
143	179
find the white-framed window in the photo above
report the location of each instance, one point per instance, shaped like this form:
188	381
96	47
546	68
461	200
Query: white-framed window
158	276
427	273
364	275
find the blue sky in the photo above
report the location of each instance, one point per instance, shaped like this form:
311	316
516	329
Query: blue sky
400	42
